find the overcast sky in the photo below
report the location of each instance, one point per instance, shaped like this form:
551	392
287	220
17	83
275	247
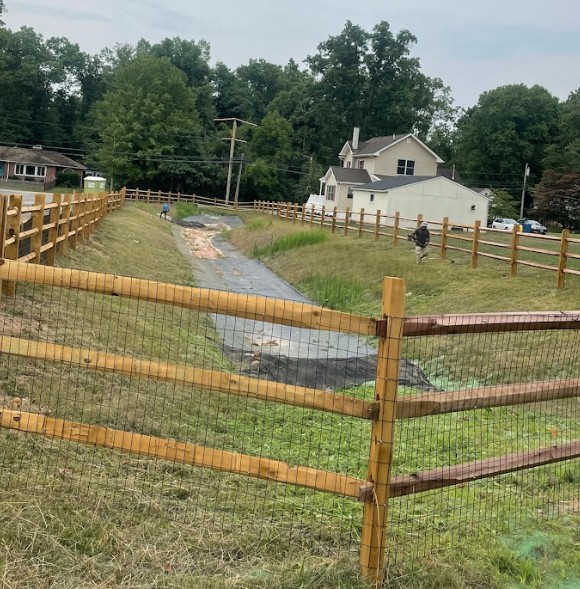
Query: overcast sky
473	45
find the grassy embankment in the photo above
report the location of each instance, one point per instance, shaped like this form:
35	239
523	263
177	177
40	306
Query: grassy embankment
346	273
141	523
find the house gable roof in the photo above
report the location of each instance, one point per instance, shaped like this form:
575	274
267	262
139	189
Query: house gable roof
348	175
38	157
375	145
394	182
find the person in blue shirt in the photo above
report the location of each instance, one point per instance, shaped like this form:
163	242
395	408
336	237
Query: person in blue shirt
164	210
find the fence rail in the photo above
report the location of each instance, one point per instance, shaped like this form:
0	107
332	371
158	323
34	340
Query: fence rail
396	336
158	197
517	248
34	233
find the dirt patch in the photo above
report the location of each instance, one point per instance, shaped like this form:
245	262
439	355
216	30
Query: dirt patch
200	240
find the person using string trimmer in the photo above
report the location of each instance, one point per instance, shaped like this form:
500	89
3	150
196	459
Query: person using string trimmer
421	237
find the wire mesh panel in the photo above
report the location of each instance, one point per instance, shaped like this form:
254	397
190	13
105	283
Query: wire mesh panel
111	404
503	398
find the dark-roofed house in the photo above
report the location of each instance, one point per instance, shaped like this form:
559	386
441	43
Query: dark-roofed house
375	159
34	169
433	197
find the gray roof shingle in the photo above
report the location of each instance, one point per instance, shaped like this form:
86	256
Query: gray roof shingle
38	157
375	144
394	182
353	175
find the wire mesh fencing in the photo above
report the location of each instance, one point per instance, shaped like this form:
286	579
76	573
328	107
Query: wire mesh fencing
493	446
127	423
158	429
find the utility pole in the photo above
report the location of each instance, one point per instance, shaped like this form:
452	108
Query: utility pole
238	182
232	149
526	174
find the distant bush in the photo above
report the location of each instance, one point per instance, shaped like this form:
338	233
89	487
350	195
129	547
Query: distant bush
68	179
292	241
183	210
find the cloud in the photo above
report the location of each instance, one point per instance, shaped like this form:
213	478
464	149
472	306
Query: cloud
53	11
501	42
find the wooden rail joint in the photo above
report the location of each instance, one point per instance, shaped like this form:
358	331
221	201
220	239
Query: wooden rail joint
381	327
367	493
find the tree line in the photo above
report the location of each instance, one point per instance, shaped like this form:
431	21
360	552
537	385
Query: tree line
145	115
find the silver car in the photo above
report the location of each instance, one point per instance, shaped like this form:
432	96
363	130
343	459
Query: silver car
506	224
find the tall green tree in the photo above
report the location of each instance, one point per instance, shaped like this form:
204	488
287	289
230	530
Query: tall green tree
147	124
564	154
231	97
271	149
509	127
25	98
369	80
264	82
558	198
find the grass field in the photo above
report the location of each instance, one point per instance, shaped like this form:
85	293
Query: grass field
136	522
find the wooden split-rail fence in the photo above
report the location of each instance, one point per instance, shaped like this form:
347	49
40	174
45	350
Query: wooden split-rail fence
383	411
35	232
556	253
559	254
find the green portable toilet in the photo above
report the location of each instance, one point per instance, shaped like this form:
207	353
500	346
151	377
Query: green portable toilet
94	184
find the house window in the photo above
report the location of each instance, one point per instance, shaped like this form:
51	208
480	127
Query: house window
406	167
330	193
361	164
350	193
372	199
29	170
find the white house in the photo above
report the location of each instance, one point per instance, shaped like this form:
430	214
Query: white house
374	160
432	197
399	173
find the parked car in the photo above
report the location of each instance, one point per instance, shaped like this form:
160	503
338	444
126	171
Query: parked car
506	224
535	226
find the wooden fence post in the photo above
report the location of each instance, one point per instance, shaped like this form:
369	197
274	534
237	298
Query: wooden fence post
396	227
374	528
74	220
312	215
563	259
514	252
444	233
378	225
53	231
13	226
295	213
63	247
303	214
334	220
361	223
322	213
88	227
81	217
148	195
287	212
419	219
475	244
3	225
37	223
346	220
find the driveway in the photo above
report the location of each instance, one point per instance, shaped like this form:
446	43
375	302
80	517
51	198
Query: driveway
307	357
